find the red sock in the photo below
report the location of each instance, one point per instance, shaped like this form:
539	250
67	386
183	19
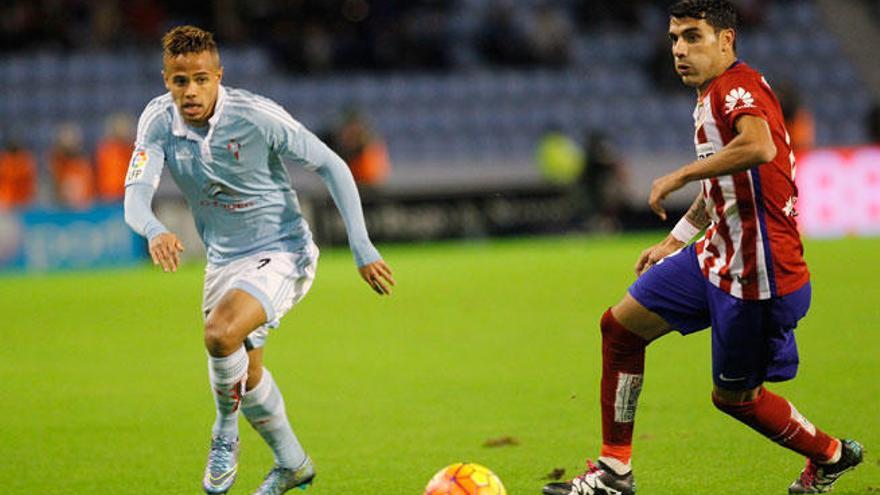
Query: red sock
623	365
777	419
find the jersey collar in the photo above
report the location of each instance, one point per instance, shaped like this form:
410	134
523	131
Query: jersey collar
712	82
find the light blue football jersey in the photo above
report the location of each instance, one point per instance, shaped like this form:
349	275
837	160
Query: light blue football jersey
232	174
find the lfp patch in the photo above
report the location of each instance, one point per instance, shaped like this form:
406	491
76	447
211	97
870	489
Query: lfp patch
137	166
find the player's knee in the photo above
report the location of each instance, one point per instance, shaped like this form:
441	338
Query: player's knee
618	336
220	340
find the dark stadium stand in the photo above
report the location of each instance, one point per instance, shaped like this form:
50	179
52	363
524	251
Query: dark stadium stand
479	114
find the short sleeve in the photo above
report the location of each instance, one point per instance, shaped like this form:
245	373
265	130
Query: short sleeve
742	95
148	157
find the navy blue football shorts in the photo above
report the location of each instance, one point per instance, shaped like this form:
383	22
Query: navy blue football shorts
752	341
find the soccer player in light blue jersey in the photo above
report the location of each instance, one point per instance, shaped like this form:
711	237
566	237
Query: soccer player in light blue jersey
226	149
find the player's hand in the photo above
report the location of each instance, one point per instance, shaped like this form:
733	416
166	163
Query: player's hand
657	252
378	276
663	187
165	250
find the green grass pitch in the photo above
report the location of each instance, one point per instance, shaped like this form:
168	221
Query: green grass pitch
105	387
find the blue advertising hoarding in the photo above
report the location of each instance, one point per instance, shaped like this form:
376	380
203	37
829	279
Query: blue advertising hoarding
46	240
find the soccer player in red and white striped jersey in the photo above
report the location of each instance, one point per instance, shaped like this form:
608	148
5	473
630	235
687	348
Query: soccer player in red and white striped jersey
752	250
745	276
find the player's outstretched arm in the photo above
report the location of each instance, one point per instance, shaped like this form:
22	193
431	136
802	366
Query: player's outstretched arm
753	145
342	188
378	275
657	252
339	181
695	220
296	143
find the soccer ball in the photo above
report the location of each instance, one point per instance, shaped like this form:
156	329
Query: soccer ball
465	479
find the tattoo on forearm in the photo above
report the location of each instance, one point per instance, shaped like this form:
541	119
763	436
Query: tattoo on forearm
697	214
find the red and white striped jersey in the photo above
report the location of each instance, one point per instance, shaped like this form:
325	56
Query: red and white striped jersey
751	249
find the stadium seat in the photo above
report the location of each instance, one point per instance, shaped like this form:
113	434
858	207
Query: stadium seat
607	87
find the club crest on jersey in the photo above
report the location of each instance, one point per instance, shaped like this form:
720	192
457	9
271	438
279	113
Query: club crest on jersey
137	165
738	98
233	147
789	208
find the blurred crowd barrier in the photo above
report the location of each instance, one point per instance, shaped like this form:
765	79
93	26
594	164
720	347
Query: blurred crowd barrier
424	213
44	240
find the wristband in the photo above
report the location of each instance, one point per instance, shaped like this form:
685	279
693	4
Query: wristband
684	230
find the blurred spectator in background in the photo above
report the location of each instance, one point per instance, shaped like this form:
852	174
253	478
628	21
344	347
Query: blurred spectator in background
71	170
112	156
18	176
603	184
362	149
560	159
874	124
425	35
550	35
514	34
799	119
37	24
597	14
106	23
145	19
72	24
504	38
325	35
751	12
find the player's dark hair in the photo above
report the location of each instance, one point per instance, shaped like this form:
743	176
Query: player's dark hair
720	14
188	39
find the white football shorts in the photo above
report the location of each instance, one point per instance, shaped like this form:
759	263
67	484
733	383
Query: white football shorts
278	280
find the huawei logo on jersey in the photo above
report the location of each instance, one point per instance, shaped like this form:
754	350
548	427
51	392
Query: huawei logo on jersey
738	98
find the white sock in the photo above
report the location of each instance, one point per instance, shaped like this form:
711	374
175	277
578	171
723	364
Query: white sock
263	406
228	375
616	465
838	452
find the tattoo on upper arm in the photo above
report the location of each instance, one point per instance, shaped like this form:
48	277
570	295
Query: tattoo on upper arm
697	214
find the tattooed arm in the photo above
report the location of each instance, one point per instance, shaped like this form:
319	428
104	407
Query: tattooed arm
752	146
697	214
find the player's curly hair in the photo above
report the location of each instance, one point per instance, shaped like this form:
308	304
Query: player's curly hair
188	39
720	14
